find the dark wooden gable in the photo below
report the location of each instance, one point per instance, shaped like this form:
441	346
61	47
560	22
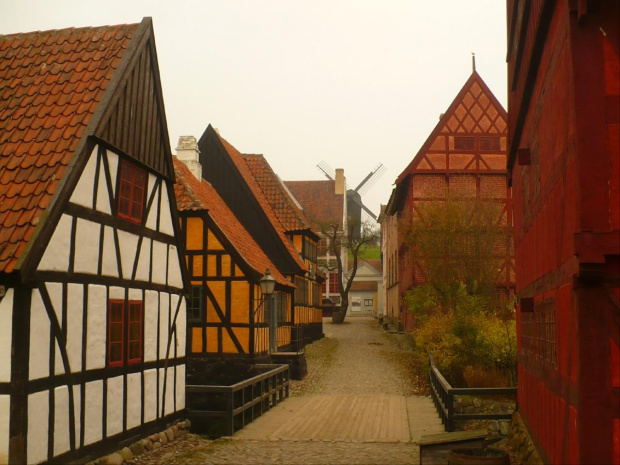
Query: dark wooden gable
223	174
134	119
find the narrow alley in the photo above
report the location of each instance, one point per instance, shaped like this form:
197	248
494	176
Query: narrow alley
359	404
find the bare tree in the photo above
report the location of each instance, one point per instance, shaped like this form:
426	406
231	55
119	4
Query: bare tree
353	244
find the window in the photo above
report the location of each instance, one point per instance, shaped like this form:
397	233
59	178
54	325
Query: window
131	188
368	302
194	304
464	143
309	250
301	293
544	316
333	283
125	330
490	143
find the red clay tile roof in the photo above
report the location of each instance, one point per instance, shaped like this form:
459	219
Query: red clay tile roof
50	84
246	173
364	286
192	194
321	205
376	263
277	194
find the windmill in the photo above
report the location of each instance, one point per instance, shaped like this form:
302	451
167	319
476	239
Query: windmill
355	206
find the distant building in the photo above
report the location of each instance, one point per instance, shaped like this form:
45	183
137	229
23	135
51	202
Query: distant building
564	159
366	293
465	155
92	308
324	204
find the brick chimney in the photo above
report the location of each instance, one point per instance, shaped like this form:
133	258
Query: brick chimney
340	182
188	153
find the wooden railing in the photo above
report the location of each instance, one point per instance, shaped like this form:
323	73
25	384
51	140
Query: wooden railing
443	395
230	408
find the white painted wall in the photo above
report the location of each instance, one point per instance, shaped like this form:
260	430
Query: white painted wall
87	238
150	395
6	330
56	256
61	420
5	410
96	327
128	244
74	326
115	406
38	410
134	399
83	192
92	412
39	358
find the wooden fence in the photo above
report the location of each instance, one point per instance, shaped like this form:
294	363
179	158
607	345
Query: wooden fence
223	410
443	397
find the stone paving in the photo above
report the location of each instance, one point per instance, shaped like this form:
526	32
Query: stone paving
358	405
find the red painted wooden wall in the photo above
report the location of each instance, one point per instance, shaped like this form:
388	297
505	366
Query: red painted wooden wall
564	86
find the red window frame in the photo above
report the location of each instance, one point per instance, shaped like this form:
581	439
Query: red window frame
125	332
116	332
333	283
131	190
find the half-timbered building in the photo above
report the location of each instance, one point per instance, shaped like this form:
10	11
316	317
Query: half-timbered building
564	158
305	239
227	316
465	155
92	313
227	171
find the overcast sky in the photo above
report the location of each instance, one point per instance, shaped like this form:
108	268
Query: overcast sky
352	83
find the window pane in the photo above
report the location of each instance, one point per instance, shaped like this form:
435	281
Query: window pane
116	353
116	332
134	350
134	331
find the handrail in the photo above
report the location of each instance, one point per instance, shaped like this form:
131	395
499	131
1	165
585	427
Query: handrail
443	395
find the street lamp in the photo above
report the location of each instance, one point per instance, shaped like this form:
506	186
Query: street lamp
267	284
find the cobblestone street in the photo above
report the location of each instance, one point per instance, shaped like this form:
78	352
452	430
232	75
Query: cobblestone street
359	404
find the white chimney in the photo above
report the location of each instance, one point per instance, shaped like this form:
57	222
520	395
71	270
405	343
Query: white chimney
340	182
188	153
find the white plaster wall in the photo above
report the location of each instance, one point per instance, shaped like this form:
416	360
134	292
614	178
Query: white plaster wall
56	255
96	327
174	269
135	294
5	410
150	395
115	406
144	261
55	292
92	412
6	330
181	330
151	221
180	387
39	358
83	192
116	293
163	323
61	420
151	304
128	244
109	266
75	300
169	407
113	162
103	199
77	413
134	400
160	255
165	217
86	258
38	415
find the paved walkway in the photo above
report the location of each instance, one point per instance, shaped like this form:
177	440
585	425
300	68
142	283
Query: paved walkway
356	406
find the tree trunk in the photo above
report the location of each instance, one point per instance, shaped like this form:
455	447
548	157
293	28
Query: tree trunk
338	316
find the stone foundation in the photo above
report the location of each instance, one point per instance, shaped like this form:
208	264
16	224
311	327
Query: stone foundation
498	429
521	443
154	441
